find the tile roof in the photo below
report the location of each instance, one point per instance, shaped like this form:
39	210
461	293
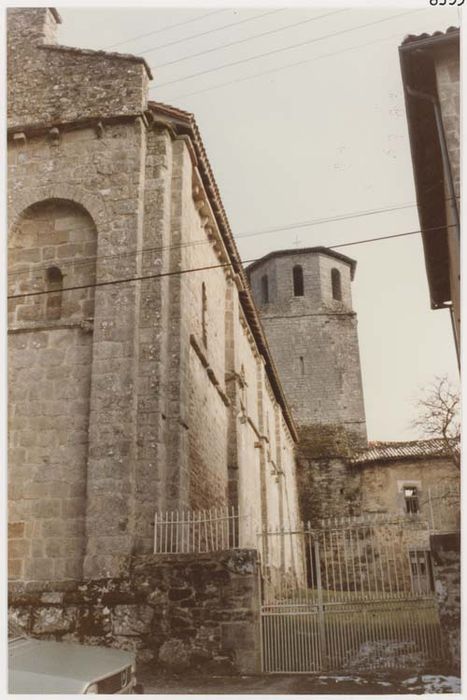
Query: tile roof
434	37
303	251
387	451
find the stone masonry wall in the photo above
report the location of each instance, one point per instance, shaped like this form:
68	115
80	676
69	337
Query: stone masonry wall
321	377
50	357
179	612
68	84
447	67
445	553
381	487
126	368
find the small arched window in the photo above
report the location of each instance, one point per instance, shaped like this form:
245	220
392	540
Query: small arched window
54	279
204	311
336	284
298	281
265	289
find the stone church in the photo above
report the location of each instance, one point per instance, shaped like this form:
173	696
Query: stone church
150	373
140	376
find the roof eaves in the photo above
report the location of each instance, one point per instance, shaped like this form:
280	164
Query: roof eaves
187	122
419	41
418	73
303	251
400	451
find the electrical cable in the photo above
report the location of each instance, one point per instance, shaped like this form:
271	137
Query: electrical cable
209	31
163	29
158	275
286	67
156	249
248	38
281	50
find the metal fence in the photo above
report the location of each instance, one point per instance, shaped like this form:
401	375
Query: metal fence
366	599
210	530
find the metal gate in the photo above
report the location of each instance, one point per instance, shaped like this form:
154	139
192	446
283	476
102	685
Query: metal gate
354	594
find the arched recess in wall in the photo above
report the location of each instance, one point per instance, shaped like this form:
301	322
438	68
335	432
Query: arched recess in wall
51	246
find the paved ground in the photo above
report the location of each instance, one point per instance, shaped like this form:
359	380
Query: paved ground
297	684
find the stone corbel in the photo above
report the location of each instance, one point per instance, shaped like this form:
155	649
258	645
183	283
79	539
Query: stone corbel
54	136
19	139
100	130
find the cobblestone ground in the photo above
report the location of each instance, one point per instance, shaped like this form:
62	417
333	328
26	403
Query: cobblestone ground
378	684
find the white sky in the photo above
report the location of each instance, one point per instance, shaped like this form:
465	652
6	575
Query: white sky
324	138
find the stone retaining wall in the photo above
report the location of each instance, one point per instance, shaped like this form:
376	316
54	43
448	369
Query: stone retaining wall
180	611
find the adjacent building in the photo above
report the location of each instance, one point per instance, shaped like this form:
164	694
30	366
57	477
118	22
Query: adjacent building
430	67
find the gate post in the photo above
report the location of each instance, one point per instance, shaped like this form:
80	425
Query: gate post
321	620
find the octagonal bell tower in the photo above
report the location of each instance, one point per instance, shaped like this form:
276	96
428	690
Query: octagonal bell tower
305	303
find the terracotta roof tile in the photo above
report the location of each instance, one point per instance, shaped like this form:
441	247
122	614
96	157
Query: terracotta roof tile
417	449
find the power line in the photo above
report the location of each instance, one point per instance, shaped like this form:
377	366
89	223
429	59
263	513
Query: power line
202	241
337	217
158	275
248	234
281	50
209	31
286	67
248	38
163	29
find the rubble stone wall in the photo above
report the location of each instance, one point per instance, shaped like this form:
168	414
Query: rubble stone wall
179	612
69	84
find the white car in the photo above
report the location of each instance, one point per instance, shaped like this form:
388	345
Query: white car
42	667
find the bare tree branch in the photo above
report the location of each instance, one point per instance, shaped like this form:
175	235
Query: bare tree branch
438	416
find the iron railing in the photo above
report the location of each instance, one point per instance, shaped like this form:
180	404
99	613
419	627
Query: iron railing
209	530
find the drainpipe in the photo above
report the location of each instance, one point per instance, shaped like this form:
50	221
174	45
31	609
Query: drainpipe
456	339
450	181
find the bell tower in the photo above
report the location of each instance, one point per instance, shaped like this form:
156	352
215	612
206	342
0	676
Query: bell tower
305	302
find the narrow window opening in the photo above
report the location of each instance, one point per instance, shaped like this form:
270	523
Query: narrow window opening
336	284
302	366
298	281
412	504
204	310
265	289
54	280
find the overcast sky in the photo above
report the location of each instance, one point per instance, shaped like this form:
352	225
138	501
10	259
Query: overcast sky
324	138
